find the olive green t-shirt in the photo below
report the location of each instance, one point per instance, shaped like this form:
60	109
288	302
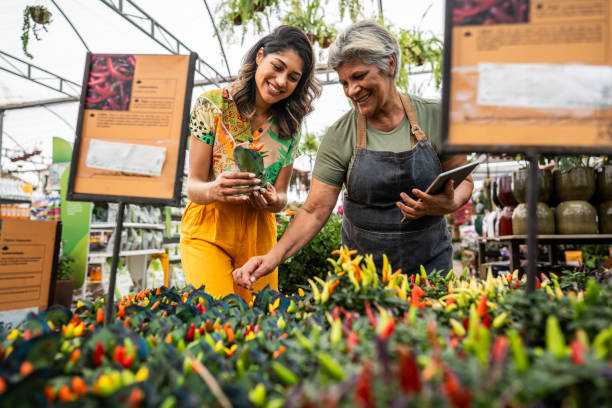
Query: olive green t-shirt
336	152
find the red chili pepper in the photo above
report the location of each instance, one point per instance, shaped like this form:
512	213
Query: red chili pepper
352	341
114	72
127	361
96	81
499	349
538	284
131	60
577	352
409	378
363	389
415	295
190	332
369	313
412	279
388	329
119	354
487	321
98	354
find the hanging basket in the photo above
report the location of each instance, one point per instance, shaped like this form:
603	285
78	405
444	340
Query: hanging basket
40	15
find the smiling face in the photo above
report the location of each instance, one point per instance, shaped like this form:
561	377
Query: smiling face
366	85
277	76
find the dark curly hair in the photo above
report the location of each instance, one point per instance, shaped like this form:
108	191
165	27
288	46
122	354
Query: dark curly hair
290	111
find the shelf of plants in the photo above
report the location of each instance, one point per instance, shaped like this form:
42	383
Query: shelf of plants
353	339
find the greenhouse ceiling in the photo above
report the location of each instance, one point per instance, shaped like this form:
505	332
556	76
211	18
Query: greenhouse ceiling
39	95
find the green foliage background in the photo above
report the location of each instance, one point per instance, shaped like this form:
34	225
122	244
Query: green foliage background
312	259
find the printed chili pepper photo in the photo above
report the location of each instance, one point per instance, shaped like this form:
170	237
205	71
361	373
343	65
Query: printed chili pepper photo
489	12
109	85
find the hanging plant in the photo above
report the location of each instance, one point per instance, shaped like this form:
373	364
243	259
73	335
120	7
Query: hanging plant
34	17
352	6
326	35
419	50
245	13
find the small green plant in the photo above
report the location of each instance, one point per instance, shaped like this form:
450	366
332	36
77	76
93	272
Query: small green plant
64	267
34	17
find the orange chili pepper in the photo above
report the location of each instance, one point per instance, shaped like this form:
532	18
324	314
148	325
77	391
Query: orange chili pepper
99	315
26	368
78	386
75	356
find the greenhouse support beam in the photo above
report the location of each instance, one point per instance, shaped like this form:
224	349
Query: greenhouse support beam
34	104
28	75
212	20
70	24
154	29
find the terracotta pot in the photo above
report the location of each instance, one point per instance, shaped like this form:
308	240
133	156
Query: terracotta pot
576	217
325	42
605	217
63	292
311	37
577	184
519	185
604	183
504	191
546	220
504	221
39	14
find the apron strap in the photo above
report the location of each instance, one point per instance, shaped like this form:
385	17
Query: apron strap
361	131
416	133
415	130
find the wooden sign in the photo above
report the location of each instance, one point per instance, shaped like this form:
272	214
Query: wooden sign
528	75
132	127
28	257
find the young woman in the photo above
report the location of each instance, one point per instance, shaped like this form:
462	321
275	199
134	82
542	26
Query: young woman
230	215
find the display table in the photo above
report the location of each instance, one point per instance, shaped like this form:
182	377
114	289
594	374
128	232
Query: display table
516	240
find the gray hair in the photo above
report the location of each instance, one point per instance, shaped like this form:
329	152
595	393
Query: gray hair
368	41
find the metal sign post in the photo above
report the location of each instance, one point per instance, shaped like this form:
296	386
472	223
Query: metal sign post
532	219
110	297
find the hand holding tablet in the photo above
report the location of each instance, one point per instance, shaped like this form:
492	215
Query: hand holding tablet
457	175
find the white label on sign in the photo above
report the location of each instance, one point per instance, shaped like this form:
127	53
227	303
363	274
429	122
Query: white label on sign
126	157
9	319
571	86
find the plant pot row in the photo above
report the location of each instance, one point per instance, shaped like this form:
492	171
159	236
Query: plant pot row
580	183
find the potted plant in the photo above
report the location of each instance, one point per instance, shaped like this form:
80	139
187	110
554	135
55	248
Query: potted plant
241	12
573	178
34	17
327	35
306	15
64	284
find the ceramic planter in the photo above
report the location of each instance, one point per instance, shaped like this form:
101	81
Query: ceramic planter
504	221
576	217
605	217
519	185
604	183
546	220
577	184
63	292
504	191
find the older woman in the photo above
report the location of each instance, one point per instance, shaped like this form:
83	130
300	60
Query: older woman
384	152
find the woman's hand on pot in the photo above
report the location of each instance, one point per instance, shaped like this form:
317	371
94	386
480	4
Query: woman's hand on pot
233	187
266	198
425	204
253	269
